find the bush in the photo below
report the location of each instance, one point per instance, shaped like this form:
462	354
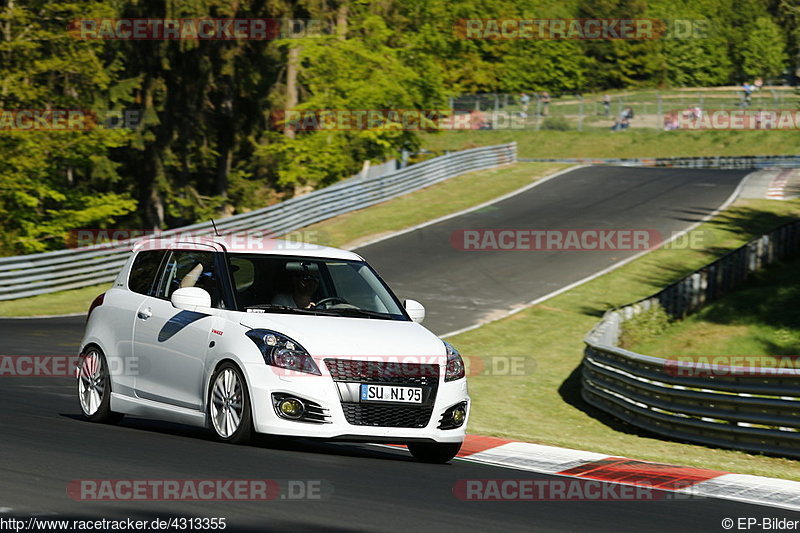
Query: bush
557	124
644	327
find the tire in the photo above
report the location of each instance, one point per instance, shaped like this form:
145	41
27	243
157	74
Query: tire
438	453
94	388
229	411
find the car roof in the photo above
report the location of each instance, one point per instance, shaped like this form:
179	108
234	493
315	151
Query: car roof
247	243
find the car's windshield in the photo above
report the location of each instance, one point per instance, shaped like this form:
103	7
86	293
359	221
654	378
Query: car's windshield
302	285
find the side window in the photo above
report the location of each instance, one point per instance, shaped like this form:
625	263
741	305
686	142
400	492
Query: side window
243	273
190	268
144	270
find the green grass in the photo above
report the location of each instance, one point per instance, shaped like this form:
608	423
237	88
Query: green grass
450	196
630	144
346	230
544	404
761	318
57	303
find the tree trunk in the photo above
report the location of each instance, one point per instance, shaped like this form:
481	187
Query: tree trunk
341	20
291	86
225	139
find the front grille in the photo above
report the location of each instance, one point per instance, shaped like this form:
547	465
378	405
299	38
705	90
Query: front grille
394	373
351	371
394	416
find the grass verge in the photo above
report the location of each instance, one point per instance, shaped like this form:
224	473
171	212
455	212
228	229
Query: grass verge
346	230
631	143
761	318
444	198
544	404
56	303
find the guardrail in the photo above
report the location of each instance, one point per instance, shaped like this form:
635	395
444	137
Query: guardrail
720	162
29	275
753	409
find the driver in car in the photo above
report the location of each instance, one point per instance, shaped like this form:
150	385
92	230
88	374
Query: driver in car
304	285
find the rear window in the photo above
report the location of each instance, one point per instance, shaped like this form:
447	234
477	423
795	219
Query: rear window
144	270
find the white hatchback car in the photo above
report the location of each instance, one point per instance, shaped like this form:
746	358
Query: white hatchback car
281	338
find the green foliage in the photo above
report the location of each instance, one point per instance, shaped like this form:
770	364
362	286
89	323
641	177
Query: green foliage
763	52
206	146
557	124
644	327
55	181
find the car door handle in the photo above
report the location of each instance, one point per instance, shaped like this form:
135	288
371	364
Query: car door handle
144	314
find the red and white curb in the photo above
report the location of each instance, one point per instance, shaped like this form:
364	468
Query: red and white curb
777	187
589	465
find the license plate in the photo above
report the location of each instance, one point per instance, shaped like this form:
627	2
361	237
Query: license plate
389	393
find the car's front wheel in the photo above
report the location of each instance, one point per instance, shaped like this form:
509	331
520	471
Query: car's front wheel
94	387
440	452
229	405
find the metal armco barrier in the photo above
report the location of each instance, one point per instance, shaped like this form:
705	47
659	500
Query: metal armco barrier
753	409
720	162
28	275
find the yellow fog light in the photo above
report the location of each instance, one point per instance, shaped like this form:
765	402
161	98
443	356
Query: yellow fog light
291	408
459	415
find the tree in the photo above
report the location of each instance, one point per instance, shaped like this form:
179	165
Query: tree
764	50
55	181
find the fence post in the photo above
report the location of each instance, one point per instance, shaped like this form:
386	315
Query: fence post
660	112
580	112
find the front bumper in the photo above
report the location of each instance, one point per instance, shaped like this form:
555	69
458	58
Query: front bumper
264	381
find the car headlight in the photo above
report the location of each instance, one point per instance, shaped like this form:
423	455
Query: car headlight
283	352
455	365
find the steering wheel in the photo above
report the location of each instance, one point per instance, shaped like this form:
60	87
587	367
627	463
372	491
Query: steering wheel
326	302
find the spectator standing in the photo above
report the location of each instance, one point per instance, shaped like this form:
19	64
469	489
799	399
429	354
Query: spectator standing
748	90
606	105
524	100
545	99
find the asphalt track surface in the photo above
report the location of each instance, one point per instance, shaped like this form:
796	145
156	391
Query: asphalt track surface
44	444
460	288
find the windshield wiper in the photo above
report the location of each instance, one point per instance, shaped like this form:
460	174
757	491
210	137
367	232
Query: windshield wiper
275	308
357	311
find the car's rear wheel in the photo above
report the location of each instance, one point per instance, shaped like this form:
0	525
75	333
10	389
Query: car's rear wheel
434	453
94	387
229	405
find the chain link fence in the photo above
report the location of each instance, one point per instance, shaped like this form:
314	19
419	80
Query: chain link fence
537	110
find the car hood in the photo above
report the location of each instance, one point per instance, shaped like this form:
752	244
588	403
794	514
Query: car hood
345	336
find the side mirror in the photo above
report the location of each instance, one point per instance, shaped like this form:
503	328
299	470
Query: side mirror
415	310
191	298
